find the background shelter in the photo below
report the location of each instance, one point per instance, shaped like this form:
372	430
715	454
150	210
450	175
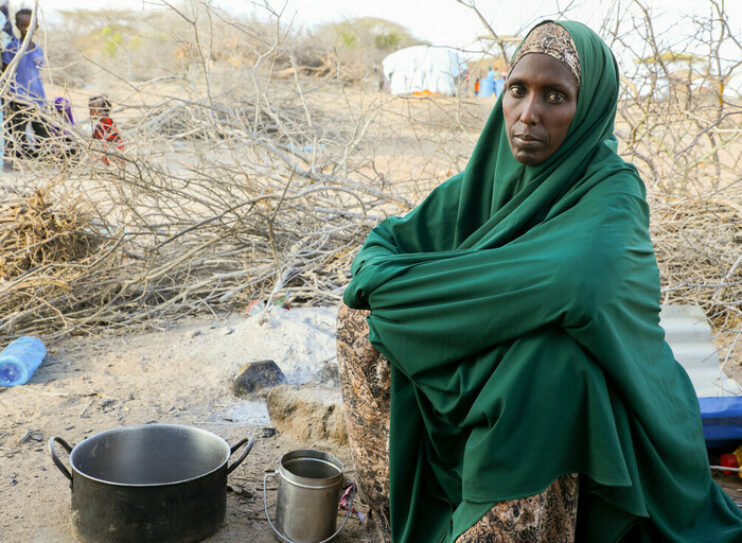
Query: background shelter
424	68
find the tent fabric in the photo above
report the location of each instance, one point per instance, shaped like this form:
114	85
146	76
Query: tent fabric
519	309
421	67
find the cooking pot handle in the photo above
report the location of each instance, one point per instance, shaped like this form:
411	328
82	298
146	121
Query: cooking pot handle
55	458
279	534
250	442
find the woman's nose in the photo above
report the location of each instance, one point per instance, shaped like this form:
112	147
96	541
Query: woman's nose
531	112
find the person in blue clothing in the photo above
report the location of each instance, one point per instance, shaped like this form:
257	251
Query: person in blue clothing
500	84
6	34
27	99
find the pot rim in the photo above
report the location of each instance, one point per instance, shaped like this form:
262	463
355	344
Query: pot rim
120	429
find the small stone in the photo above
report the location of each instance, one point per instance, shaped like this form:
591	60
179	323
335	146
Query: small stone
255	378
195	333
267	431
228	331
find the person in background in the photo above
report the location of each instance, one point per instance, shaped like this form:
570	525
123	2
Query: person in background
60	128
476	87
104	127
27	99
63	110
489	83
500	84
6	34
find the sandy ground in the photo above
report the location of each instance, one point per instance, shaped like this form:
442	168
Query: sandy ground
181	375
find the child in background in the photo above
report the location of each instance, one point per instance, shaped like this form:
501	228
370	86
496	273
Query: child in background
61	124
476	87
63	109
104	127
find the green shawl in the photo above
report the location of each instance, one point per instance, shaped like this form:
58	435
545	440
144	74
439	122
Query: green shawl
519	309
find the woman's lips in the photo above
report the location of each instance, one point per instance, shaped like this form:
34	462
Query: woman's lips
527	140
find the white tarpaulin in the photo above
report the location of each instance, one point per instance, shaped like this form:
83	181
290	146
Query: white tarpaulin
421	67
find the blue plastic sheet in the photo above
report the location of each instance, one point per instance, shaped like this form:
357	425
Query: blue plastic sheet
722	420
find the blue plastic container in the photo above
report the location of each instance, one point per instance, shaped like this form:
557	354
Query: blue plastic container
20	359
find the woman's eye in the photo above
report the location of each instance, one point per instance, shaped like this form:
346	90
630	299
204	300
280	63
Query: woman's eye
555	97
517	90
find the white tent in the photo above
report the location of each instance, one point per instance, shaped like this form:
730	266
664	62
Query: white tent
421	67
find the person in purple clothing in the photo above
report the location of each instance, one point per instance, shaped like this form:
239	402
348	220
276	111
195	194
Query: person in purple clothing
27	99
60	129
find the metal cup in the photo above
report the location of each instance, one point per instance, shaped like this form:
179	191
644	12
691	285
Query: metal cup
309	487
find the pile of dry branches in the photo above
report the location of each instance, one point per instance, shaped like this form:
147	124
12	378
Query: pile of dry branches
234	188
147	244
699	252
33	232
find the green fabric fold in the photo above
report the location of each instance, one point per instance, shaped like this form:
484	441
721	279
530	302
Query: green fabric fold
519	309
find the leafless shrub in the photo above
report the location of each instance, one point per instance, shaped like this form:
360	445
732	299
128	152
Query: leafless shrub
221	195
245	176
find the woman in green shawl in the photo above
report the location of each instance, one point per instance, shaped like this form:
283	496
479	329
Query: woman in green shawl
518	307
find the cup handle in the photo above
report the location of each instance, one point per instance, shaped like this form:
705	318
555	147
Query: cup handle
283	537
265	506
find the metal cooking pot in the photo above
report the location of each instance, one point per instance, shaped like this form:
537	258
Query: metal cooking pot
151	483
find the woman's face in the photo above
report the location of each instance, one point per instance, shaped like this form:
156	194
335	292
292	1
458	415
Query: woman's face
539	103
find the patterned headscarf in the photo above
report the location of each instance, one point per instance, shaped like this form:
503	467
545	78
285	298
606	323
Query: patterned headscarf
551	39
